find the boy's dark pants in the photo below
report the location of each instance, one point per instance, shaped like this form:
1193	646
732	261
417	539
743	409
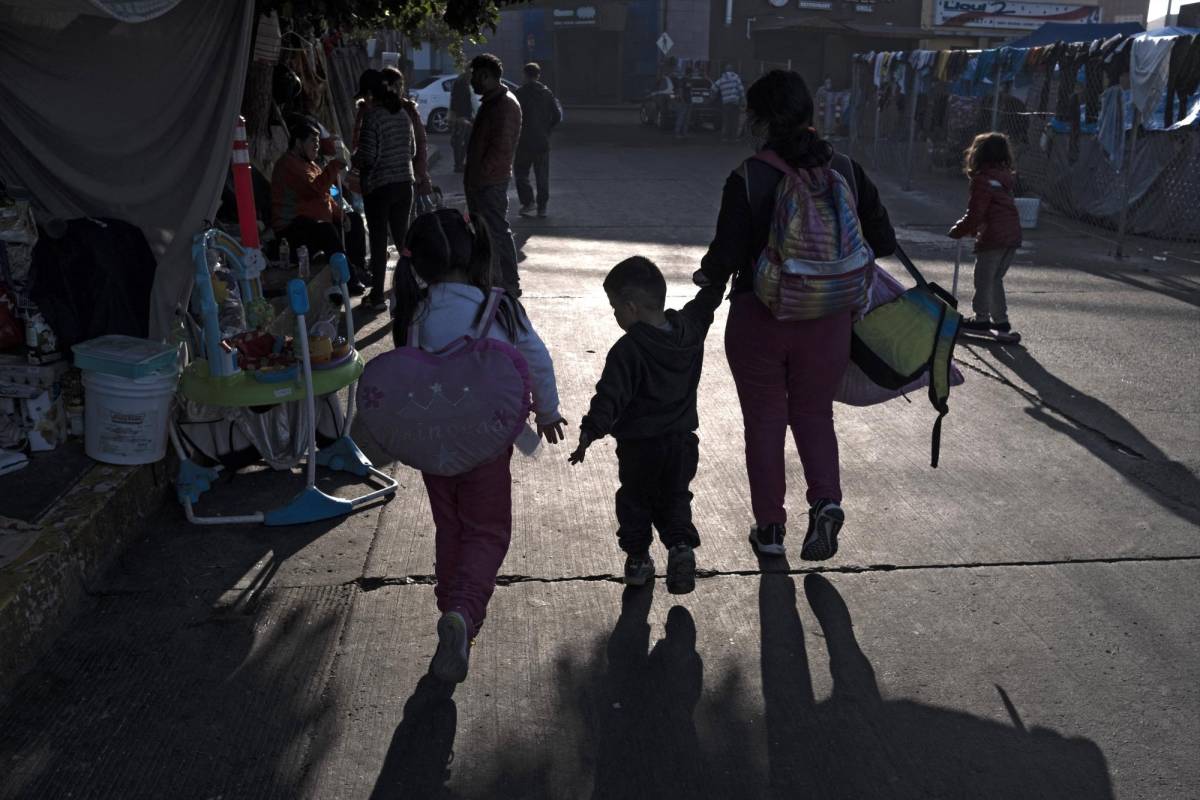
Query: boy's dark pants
655	474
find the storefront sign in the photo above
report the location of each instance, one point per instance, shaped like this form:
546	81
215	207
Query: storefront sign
1012	16
864	8
575	17
816	5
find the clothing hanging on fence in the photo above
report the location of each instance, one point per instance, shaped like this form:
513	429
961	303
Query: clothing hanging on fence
1149	65
1116	59
1093	84
1183	76
880	58
939	69
1112	126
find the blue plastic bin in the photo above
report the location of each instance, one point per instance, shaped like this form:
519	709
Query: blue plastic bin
125	356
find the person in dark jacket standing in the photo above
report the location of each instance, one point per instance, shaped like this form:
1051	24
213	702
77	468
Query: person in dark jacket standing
490	152
786	373
462	112
539	114
993	220
384	159
646	399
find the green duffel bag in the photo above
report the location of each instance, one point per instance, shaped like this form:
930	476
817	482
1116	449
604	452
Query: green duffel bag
897	341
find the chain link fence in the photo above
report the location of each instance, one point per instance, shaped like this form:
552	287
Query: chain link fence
918	137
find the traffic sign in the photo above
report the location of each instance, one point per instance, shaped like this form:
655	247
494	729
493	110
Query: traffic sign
665	43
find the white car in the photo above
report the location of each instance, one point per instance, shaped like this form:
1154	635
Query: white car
432	96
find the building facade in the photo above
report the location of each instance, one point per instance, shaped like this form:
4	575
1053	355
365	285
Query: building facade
602	53
815	37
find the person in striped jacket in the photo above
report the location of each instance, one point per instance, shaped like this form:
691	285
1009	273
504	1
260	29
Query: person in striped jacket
733	94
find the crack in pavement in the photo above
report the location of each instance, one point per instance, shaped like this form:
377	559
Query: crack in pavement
371	584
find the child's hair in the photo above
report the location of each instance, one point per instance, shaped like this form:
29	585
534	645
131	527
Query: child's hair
639	281
988	150
439	243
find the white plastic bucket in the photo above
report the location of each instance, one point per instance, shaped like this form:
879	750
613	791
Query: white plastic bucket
126	418
1027	210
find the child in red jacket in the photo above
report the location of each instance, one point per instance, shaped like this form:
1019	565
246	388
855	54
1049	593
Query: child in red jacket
992	218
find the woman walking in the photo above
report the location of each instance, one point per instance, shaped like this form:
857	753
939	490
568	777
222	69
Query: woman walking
384	159
786	372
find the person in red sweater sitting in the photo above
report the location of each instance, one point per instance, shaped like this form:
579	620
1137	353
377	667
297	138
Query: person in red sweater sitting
302	209
993	219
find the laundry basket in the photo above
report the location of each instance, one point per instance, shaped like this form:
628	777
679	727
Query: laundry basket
1027	209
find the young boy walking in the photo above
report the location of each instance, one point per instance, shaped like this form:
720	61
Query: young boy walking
646	399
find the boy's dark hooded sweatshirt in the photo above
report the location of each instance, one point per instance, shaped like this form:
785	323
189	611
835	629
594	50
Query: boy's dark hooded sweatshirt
648	387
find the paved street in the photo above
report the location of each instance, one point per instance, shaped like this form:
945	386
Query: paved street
1019	623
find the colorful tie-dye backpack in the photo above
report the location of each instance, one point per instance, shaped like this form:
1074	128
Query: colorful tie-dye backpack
816	262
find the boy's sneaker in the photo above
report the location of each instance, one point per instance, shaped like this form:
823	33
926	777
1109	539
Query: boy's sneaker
768	539
1002	327
825	519
541	213
977	324
528	210
453	653
638	569
681	569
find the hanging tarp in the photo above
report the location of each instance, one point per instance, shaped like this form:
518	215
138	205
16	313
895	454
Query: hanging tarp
127	120
1055	32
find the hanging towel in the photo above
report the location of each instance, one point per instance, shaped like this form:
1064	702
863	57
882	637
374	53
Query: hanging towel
1112	126
1148	71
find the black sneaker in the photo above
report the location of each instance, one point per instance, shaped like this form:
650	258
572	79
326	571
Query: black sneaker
638	569
681	569
356	288
1002	327
768	540
825	519
977	324
452	658
541	213
527	210
375	302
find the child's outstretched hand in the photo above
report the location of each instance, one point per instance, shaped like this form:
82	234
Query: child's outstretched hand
581	450
552	432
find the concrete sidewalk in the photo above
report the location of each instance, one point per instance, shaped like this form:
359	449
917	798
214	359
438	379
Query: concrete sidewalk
1017	623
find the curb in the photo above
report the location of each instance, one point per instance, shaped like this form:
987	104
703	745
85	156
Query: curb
85	531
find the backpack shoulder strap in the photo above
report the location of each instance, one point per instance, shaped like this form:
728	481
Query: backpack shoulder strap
842	165
489	313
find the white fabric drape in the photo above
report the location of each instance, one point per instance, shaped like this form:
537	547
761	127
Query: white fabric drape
134	121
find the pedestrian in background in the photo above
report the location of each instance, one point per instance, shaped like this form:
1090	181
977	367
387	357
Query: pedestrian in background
993	219
384	159
462	112
683	104
539	114
490	152
733	96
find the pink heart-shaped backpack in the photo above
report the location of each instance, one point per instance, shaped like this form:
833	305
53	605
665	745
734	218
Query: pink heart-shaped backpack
447	412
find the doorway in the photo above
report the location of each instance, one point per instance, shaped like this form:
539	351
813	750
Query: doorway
589	66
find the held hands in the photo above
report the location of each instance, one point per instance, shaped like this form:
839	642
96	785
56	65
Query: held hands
552	432
580	451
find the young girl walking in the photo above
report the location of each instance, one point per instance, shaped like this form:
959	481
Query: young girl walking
472	512
993	219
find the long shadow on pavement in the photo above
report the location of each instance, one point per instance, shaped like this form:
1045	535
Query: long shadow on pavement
172	685
858	744
423	745
1099	428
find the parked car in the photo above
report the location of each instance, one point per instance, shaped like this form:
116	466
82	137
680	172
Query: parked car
658	110
432	96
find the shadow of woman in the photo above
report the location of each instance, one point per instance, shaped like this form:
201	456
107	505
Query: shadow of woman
418	760
1106	434
858	744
